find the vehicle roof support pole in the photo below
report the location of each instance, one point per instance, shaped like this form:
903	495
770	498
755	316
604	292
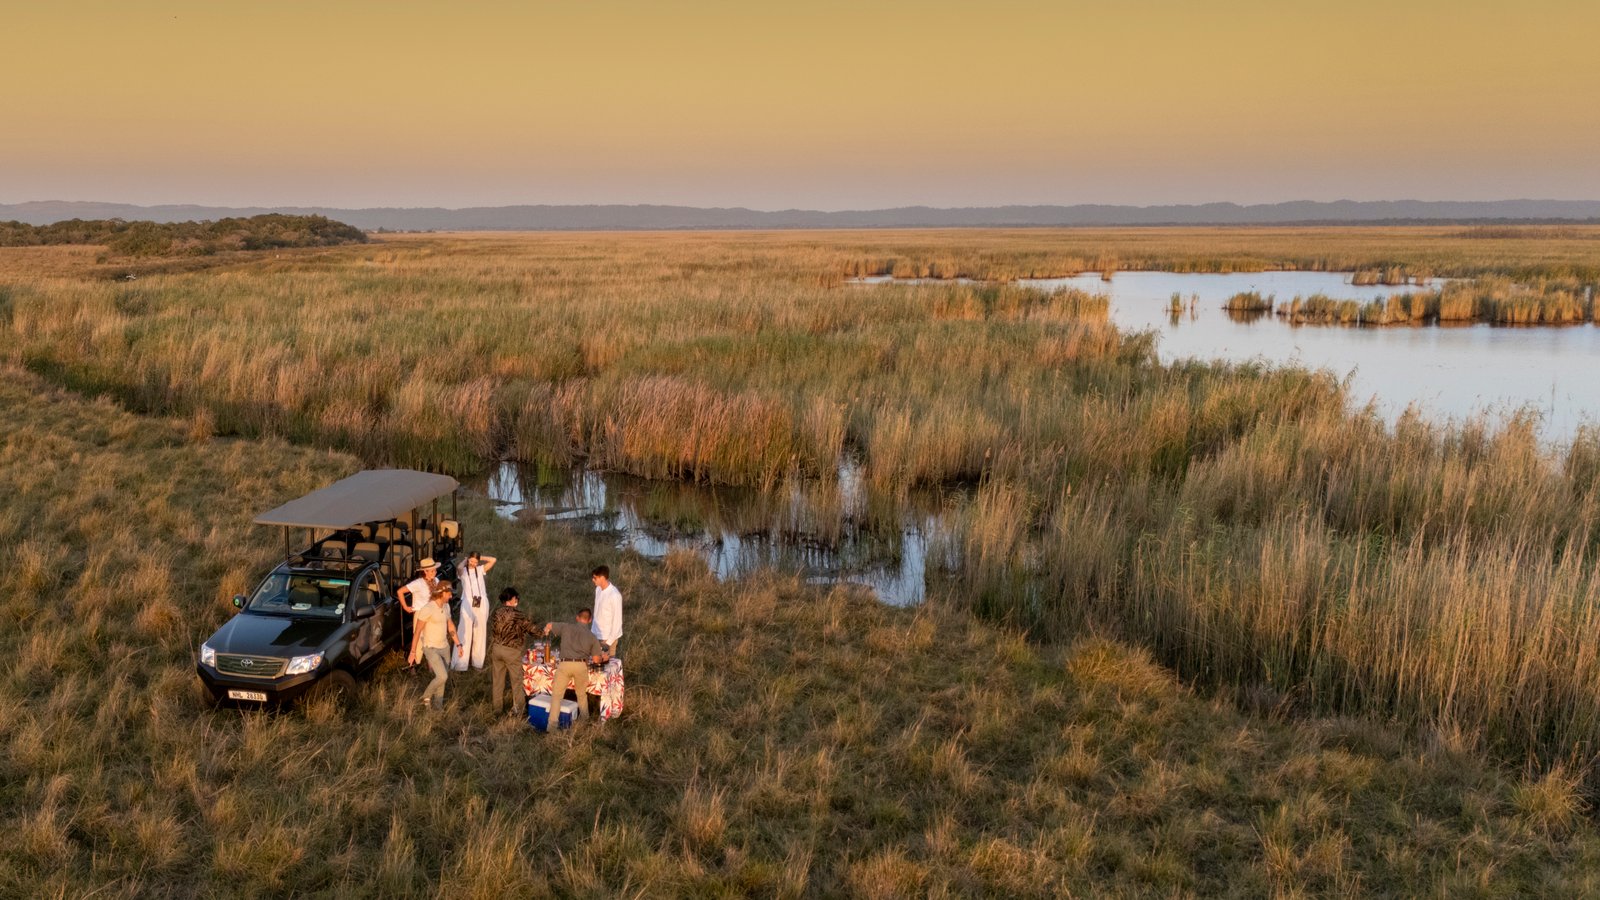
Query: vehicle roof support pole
286	551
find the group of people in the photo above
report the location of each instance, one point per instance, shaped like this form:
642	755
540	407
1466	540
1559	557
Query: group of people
476	634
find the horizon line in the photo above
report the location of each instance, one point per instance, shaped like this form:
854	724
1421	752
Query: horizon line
797	209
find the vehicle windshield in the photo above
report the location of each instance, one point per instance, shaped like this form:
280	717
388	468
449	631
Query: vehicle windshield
300	594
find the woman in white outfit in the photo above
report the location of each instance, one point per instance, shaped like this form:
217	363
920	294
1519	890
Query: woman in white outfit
473	628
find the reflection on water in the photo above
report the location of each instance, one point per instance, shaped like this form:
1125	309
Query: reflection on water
1236	316
1447	373
828	531
1450	372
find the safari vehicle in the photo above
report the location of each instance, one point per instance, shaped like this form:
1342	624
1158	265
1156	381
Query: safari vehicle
328	612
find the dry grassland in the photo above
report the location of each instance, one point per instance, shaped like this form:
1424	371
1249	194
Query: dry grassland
779	740
1255	534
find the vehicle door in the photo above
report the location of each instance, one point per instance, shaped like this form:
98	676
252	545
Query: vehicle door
372	629
389	612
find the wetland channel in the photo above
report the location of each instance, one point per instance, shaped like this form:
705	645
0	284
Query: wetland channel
836	531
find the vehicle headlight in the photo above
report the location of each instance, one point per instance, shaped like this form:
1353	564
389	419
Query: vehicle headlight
208	656
303	664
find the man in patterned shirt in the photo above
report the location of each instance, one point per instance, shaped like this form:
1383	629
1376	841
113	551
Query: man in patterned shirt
508	635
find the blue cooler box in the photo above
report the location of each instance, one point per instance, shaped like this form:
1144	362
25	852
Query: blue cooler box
539	712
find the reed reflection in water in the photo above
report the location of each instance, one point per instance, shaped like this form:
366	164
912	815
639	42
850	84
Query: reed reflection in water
829	531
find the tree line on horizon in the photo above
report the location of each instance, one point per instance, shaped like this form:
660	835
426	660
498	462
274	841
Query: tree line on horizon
139	238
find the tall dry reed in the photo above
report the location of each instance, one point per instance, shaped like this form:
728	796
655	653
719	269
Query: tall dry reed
1238	519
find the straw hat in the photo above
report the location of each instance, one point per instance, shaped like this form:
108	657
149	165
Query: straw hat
427	563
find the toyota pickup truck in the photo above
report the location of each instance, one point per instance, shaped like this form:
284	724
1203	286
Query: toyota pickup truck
327	613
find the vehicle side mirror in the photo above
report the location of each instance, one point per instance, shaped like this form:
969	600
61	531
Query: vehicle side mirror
238	601
366	611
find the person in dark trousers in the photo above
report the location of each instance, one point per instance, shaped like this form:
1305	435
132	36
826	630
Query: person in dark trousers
579	648
509	631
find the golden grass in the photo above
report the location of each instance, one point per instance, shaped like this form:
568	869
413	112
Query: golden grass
779	741
1496	300
1238	520
1383	255
719	369
1245	302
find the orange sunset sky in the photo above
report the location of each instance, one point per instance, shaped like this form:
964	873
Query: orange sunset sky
820	104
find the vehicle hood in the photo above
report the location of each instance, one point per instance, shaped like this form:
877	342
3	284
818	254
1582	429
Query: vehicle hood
259	635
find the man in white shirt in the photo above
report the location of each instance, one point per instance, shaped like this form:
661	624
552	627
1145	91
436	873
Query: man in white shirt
607	624
474	626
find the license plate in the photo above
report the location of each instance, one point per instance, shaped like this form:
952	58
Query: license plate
257	696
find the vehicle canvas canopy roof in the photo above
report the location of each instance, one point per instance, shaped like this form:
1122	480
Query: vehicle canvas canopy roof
375	495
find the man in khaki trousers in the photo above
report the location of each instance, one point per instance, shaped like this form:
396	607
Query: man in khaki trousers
579	647
509	631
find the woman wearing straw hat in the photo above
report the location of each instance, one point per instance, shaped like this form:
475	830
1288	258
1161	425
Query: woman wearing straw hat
420	589
416	594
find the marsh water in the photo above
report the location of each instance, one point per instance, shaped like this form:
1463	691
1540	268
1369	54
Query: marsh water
836	531
1448	372
828	531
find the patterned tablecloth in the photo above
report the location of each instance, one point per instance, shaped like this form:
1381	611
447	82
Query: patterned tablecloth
605	682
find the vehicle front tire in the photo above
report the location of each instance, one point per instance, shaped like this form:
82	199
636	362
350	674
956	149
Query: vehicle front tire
338	687
205	696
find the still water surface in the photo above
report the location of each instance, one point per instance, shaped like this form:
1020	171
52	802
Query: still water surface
1449	372
834	532
828	532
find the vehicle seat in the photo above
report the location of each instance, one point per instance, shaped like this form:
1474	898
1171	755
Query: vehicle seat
449	531
390	532
331	550
368	551
304	593
404	560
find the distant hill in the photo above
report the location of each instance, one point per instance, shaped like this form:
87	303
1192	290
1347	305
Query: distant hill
618	217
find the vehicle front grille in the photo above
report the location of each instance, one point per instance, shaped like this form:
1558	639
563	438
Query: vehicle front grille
250	666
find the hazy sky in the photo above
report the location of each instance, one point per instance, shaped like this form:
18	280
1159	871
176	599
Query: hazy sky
817	104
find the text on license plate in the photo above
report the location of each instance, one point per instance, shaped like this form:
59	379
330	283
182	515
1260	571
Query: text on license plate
257	696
